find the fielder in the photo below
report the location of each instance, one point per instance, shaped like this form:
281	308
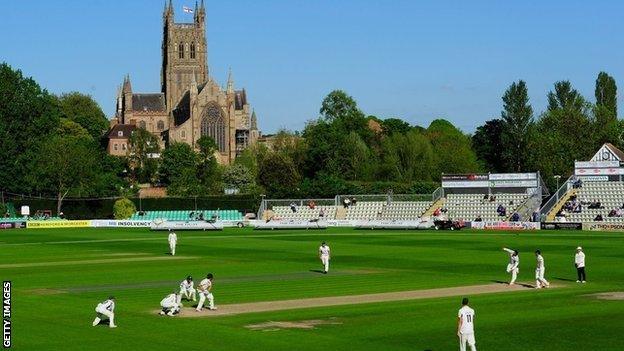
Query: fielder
173	241
465	326
105	310
579	263
205	287
540	282
170	305
324	255
514	264
187	290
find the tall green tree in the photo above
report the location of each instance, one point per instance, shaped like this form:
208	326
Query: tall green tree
605	111
28	115
406	158
566	98
143	156
179	169
279	176
83	110
208	171
486	142
451	148
517	117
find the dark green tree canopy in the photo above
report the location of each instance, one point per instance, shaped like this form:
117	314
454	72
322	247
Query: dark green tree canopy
83	110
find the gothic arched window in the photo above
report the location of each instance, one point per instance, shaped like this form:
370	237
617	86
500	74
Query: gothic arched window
192	50
213	125
160	125
142	125
181	50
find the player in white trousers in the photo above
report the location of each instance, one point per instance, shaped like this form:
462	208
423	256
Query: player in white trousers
514	264
579	263
205	292
540	269
105	310
187	290
465	327
324	255
170	305
173	241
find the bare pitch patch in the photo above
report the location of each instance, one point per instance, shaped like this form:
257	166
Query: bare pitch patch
269	306
613	295
277	325
99	261
46	291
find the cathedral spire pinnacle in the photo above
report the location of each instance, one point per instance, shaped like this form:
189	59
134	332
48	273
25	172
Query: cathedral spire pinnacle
230	82
254	121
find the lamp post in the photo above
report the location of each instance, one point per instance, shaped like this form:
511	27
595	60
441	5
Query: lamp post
557	177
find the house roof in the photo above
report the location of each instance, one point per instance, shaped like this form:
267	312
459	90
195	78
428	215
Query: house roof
148	102
125	130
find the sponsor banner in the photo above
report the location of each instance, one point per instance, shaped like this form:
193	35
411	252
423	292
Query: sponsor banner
340	223
598	171
191	225
58	224
465	184
464	177
12	225
290	224
120	223
512	176
597	164
594	178
562	225
601	226
505	225
390	224
514	183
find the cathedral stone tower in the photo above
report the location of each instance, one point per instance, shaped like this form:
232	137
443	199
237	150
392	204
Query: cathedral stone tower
184	54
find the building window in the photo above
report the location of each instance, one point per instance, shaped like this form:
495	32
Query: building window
181	50
213	125
183	134
123	146
142	124
160	125
115	147
192	50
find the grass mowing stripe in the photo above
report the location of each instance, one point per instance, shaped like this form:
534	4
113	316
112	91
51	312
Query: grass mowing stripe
100	261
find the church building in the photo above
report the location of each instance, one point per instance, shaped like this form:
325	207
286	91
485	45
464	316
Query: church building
191	104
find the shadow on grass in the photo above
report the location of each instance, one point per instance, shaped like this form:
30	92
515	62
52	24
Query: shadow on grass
564	279
506	283
316	271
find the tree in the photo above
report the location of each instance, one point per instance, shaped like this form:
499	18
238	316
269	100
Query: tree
605	111
486	142
65	164
68	127
517	116
395	125
83	110
452	149
28	115
338	104
238	177
143	149
278	175
208	168
123	208
179	167
406	158
565	98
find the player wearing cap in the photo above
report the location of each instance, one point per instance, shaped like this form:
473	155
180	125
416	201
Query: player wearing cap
514	264
170	305
205	292
105	309
465	326
540	269
187	290
173	241
324	255
579	263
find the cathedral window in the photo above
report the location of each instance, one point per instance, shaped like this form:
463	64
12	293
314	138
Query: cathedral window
183	134
142	124
181	50
115	146
192	50
213	125
160	125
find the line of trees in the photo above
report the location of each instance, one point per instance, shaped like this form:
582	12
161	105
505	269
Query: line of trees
54	145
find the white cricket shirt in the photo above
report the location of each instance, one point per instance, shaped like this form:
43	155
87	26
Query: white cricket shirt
467	315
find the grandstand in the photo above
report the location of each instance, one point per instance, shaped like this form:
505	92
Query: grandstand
304	212
186	215
468	206
610	195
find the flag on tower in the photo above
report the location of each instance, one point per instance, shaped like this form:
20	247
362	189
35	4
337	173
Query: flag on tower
187	9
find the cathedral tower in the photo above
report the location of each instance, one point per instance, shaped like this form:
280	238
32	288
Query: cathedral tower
184	54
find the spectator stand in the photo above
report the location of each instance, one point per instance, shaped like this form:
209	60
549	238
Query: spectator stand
387	207
297	209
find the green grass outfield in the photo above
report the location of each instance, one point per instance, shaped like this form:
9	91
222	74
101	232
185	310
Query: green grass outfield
59	275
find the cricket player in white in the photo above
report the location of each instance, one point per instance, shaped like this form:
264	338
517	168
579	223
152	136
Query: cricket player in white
173	240
170	305
514	264
324	255
540	269
187	290
465	327
205	287
105	309
579	263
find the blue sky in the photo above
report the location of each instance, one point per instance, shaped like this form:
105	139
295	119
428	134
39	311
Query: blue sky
417	60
